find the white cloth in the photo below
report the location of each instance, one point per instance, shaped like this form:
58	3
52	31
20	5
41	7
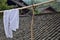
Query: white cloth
11	21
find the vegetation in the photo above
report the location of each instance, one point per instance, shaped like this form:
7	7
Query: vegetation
55	5
3	5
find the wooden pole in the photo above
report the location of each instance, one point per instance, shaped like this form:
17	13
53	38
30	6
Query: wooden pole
32	23
33	5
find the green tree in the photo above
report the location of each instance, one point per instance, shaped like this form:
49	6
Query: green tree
3	5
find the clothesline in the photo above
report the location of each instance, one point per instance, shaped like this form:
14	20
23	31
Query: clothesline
14	23
33	5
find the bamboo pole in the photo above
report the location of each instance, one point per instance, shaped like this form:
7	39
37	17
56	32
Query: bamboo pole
33	5
32	23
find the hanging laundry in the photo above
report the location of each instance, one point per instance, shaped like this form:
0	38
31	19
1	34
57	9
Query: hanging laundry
11	21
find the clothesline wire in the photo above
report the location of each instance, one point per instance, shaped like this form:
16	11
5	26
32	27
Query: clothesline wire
33	5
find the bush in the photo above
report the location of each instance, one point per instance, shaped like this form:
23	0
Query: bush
3	5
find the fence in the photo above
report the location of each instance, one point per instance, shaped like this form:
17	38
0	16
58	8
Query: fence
43	27
46	27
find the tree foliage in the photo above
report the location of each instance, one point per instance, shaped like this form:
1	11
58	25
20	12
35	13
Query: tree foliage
3	5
